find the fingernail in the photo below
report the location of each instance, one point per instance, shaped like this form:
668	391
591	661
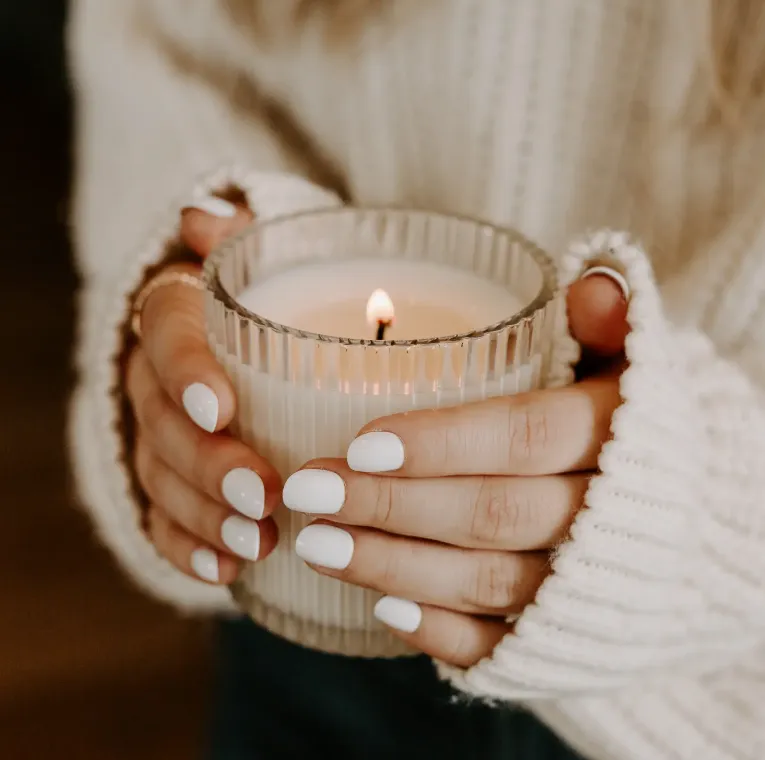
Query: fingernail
316	492
325	545
400	614
376	452
241	536
244	491
617	277
204	562
201	404
212	205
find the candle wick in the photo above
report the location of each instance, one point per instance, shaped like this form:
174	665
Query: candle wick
382	326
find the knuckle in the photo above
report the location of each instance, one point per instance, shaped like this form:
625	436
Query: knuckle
529	432
391	571
503	512
207	454
178	326
200	458
211	458
151	413
495	514
156	311
494	582
456	647
383	502
207	521
199	517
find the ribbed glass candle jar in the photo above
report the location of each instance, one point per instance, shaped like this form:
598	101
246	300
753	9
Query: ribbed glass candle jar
303	395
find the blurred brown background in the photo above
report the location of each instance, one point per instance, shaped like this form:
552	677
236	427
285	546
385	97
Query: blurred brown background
89	668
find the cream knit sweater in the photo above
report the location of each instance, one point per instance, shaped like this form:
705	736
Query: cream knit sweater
554	116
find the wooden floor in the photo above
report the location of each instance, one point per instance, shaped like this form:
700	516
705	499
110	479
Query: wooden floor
89	668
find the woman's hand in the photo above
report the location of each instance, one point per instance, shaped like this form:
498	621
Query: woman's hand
210	495
452	513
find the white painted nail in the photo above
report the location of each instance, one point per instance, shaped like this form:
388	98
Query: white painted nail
215	206
315	492
617	277
376	452
201	404
241	536
243	490
325	545
204	562
400	614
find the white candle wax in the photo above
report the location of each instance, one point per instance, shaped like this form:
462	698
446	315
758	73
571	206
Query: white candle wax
330	298
290	415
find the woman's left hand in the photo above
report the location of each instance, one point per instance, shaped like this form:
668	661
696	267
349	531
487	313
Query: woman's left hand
452	513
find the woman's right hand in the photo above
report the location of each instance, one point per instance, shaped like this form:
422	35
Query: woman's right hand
210	496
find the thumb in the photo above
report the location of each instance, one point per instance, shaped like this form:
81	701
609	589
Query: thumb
207	222
597	311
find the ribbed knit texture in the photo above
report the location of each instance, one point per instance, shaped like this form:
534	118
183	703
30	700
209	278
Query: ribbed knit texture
554	116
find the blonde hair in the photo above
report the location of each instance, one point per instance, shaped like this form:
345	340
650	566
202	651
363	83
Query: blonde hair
735	59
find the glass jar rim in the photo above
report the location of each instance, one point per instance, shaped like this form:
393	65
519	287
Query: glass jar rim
545	295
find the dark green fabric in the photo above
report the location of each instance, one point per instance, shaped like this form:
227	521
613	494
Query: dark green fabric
278	700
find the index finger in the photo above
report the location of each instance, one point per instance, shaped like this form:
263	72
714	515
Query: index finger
173	336
539	433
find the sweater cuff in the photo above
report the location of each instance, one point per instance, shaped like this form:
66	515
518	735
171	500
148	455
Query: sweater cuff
714	717
99	426
627	597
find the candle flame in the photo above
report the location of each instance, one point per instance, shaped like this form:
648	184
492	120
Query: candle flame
379	308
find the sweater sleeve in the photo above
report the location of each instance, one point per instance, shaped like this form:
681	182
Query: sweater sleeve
647	641
146	134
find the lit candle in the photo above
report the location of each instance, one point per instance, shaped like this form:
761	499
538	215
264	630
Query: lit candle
333	298
294	310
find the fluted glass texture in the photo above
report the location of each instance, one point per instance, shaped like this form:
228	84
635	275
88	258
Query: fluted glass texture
303	395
